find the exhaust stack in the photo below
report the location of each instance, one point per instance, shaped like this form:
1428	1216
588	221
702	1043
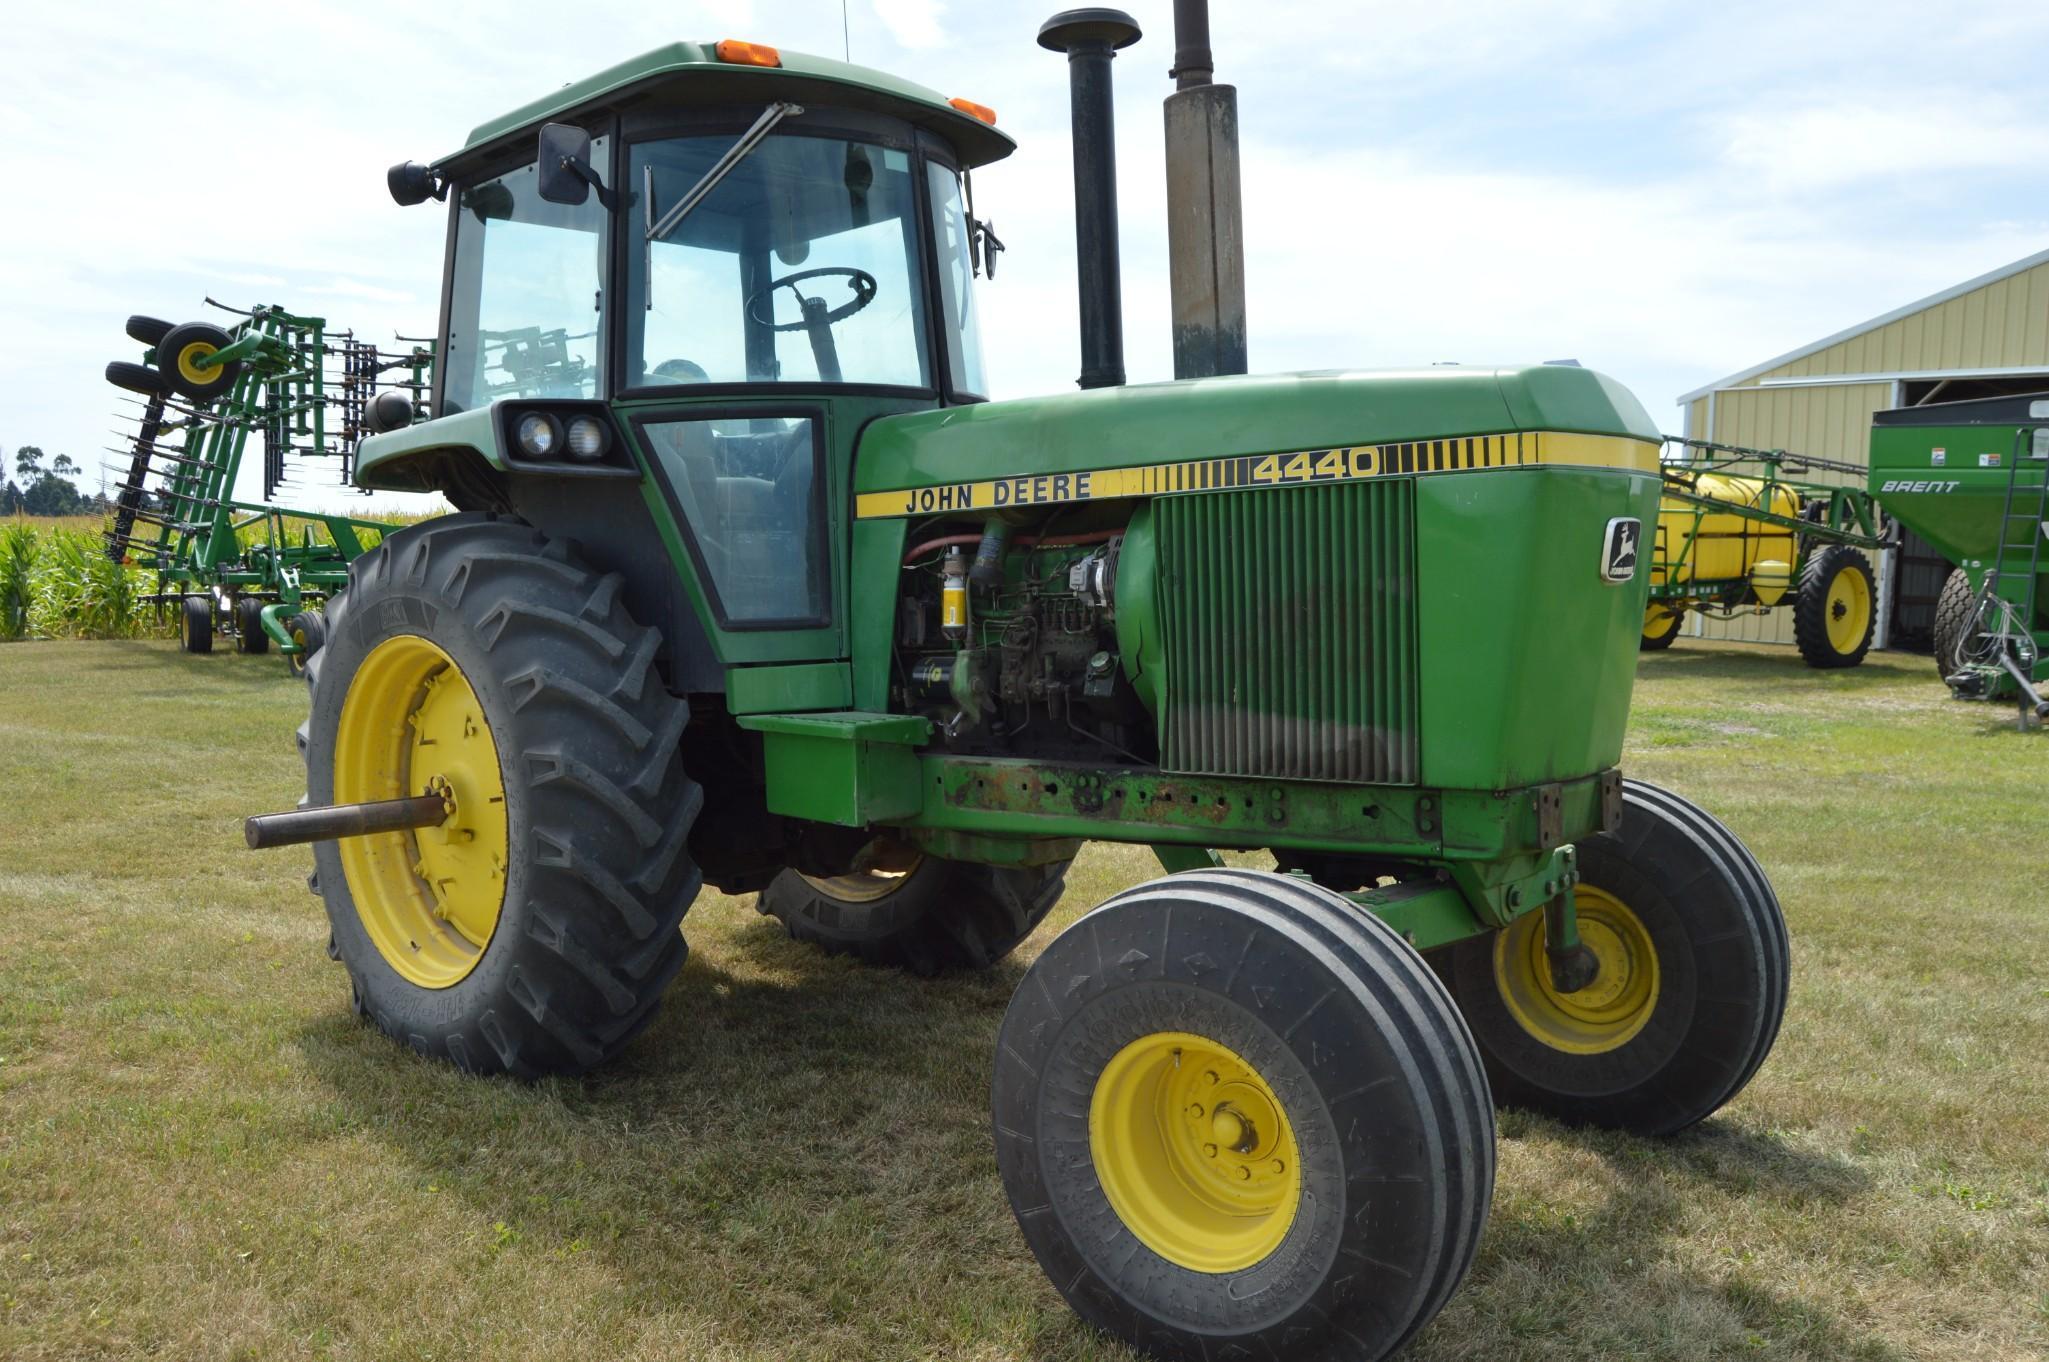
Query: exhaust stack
1091	39
1205	217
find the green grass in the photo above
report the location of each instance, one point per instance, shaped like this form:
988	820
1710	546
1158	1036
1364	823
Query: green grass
203	1154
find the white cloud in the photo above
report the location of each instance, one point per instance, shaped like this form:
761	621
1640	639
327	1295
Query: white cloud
914	24
1941	133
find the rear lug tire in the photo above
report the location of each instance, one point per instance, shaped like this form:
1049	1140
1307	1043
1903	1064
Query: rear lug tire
1956	619
596	806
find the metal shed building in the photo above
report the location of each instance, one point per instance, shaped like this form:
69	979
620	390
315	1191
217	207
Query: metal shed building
1983	338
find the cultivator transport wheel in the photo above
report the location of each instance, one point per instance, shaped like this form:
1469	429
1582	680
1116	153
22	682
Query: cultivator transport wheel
924	915
136	378
196	624
1833	612
1236	1116
180	354
1692	983
148	331
534	932
308	629
249	635
1660	627
1956	619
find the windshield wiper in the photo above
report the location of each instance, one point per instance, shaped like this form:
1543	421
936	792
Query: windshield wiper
709	181
738	152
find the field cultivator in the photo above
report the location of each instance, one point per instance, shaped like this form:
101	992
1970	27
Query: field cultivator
1972	478
253	570
1740	529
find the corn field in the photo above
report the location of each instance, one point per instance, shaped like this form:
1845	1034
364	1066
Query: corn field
59	583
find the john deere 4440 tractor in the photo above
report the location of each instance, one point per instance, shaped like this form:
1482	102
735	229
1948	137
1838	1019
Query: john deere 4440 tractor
749	586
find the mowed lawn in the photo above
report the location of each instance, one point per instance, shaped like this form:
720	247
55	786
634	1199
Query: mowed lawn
204	1155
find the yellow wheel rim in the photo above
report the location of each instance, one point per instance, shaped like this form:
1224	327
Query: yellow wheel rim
411	724
189	356
1194	1152
1607	1013
860	886
1659	621
1849	610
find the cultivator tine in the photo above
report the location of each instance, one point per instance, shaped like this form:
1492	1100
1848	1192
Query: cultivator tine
159	452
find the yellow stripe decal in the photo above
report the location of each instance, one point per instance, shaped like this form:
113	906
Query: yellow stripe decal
1268	470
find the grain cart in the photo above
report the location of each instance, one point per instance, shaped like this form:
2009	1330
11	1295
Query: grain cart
1738	529
1972	478
203	390
751	588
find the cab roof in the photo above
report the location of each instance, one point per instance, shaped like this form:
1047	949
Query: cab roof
692	73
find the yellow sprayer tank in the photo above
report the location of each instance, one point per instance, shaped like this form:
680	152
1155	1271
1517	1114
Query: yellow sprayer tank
1694	544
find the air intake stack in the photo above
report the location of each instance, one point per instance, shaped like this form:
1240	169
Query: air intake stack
1091	39
1205	219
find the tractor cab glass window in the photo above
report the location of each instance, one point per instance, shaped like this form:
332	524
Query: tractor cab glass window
749	490
956	282
799	266
527	302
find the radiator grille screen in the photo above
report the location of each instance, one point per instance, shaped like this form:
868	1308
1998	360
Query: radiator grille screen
1288	618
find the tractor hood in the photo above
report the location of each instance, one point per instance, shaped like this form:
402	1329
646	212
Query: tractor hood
1189	435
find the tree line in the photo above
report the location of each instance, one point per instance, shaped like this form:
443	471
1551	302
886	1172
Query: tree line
38	490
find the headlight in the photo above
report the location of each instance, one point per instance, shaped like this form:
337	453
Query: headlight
587	438
538	434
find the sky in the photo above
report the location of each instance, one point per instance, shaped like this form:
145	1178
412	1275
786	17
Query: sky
1668	192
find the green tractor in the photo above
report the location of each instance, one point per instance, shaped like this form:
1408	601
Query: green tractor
750	587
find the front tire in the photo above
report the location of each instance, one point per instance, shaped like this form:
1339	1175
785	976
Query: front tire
535	932
1834	612
939	915
1235	1115
1692	988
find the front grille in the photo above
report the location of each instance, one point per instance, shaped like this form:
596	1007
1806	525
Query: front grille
1288	618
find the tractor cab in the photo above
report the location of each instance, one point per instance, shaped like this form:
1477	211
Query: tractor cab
731	259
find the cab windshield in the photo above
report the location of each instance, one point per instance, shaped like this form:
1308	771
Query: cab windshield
800	266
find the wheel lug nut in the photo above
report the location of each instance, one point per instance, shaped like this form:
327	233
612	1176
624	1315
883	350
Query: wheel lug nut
1244	1173
1210	1078
1196	1111
1210	1150
1280	1167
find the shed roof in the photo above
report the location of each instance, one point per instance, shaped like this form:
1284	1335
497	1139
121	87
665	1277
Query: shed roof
2020	266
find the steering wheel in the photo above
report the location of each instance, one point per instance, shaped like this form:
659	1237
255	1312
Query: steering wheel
862	283
817	318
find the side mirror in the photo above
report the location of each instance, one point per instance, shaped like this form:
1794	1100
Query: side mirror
565	164
411	183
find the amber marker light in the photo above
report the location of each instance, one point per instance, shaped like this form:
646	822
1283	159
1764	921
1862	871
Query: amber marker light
747	54
974	110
